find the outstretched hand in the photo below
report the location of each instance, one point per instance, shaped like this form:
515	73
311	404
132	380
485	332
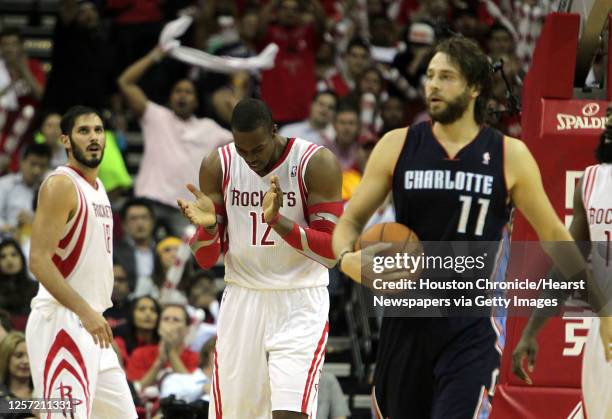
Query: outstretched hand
200	211
273	200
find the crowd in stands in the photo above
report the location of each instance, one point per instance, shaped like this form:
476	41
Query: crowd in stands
347	72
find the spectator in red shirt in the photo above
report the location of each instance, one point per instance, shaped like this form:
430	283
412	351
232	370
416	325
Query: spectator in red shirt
170	355
22	83
289	86
357	60
140	328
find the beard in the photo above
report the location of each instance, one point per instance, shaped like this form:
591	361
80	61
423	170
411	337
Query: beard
603	152
454	109
79	156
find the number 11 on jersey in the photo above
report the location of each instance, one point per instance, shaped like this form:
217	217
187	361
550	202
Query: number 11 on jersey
466	201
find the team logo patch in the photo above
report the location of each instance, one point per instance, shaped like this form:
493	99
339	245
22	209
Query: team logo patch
486	157
293	171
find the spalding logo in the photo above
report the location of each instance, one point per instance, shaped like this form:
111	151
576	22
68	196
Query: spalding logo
585	121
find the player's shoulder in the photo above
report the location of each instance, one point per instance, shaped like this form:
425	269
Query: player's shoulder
392	142
213	159
515	149
323	157
59	187
58	182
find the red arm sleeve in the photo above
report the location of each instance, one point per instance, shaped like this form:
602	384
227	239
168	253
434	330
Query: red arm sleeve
207	247
315	241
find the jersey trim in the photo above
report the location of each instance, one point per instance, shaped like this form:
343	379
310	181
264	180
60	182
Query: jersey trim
68	238
312	148
82	175
217	390
590	184
66	265
314	366
283	156
227	164
433	134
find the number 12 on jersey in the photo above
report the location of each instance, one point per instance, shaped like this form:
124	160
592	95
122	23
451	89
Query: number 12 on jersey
466	206
107	237
264	241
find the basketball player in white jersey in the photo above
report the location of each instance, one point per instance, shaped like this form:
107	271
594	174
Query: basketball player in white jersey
592	222
67	338
271	204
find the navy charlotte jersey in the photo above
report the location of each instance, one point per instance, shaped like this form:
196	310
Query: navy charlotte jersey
444	200
459	199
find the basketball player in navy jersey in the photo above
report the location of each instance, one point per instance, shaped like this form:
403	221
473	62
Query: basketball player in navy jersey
445	367
271	204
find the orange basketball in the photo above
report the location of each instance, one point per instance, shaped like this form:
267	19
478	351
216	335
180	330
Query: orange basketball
395	233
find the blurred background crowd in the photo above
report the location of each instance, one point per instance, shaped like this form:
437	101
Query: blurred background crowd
347	72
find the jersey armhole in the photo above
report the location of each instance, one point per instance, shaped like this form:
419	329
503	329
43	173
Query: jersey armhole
399	156
303	164
504	177
72	216
588	182
225	158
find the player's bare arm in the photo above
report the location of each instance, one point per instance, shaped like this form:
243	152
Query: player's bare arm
323	179
527	347
201	210
205	210
369	195
527	193
324	182
135	96
56	206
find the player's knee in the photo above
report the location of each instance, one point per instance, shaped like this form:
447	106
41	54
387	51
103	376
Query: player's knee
285	414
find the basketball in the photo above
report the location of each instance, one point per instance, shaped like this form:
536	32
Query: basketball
396	233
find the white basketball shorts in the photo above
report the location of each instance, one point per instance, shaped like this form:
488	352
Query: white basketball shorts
270	352
66	364
596	376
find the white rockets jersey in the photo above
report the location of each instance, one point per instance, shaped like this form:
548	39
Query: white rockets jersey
597	199
84	255
257	256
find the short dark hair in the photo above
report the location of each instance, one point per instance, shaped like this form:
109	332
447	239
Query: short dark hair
250	114
357	42
473	65
136	202
329	93
495	27
348	106
10	31
179	306
71	115
35	149
326	92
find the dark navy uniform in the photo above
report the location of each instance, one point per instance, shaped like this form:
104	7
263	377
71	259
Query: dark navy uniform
443	367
